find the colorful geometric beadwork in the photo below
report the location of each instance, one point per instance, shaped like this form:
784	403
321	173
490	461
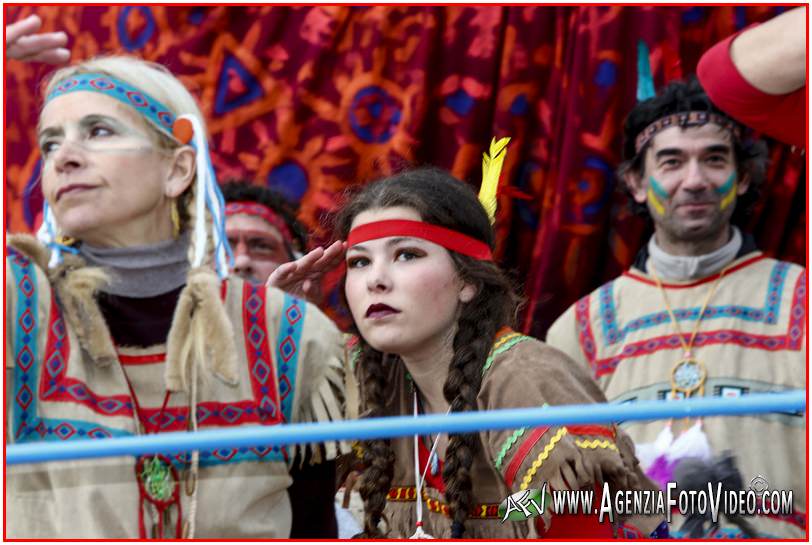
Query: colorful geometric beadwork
51	372
260	365
768	313
149	107
287	351
790	340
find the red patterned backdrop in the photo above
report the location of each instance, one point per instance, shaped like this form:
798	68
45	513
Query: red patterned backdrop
311	100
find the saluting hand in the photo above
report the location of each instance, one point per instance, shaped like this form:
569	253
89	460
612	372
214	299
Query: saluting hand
303	276
23	44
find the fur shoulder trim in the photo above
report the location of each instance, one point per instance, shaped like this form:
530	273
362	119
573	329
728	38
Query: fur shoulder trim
76	286
31	247
201	334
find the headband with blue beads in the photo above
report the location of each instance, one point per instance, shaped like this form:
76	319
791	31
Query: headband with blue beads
153	110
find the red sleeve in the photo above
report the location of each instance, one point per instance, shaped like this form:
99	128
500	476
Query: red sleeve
584	526
782	117
575	527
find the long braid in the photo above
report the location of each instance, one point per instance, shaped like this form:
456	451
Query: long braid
378	455
479	321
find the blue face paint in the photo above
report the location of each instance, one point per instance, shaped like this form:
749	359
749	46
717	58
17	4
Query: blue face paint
728	191
656	194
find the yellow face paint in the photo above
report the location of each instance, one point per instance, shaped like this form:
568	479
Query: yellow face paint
728	191
654	194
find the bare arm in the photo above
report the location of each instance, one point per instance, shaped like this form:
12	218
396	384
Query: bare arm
772	56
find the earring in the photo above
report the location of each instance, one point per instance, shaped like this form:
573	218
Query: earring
65	240
175	216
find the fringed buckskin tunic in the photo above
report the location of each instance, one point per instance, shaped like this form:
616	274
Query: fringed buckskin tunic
236	355
520	372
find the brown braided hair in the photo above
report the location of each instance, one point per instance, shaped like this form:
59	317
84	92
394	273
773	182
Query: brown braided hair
442	200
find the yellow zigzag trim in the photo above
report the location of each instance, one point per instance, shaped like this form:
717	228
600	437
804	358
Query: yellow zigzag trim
548	448
505	338
596	443
504	344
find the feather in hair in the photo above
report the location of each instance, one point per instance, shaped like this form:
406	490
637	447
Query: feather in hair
645	79
492	162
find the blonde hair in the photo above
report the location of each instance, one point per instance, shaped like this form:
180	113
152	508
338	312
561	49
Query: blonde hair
158	82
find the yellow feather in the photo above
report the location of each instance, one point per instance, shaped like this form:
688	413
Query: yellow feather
491	169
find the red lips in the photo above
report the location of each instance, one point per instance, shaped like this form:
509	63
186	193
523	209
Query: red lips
379	310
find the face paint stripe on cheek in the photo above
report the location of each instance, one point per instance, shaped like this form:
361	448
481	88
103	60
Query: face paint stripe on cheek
655	190
728	191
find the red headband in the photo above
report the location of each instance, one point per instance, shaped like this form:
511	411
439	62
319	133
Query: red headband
256	209
447	238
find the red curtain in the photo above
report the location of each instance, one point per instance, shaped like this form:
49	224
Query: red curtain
311	100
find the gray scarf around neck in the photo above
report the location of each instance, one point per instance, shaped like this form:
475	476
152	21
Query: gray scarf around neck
142	271
691	267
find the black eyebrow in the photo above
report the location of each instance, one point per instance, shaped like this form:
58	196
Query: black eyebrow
676	152
390	243
668	152
718	148
398	240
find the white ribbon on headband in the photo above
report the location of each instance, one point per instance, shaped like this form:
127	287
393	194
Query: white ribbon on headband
47	235
208	195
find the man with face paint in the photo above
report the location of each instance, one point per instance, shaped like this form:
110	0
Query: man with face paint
262	230
701	312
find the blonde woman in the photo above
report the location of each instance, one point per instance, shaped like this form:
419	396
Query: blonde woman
122	321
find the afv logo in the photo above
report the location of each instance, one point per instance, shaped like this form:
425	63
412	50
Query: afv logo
525	504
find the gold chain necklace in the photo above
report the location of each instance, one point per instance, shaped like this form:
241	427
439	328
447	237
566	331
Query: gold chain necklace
688	375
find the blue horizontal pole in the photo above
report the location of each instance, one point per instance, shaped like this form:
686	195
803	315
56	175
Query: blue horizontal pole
398	426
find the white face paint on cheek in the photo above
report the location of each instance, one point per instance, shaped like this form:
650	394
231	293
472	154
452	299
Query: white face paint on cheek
119	148
106	136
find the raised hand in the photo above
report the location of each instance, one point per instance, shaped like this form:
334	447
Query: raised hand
303	276
24	44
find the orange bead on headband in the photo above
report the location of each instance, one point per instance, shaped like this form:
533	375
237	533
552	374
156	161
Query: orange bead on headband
447	238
